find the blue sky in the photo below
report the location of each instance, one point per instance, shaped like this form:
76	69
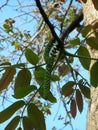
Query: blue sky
79	122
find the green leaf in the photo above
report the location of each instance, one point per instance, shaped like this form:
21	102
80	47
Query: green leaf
27	124
36	117
23	91
86	30
13	123
79	100
73	108
55	78
67	89
7	77
92	42
50	96
75	41
94	74
31	56
8	112
85	91
23	79
7	27
83	52
39	74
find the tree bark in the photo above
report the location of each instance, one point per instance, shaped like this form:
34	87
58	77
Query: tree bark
91	17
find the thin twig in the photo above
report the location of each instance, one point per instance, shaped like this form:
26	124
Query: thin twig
4	4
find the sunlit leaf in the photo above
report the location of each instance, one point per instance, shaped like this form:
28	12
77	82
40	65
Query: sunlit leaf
31	56
73	108
27	124
23	79
79	100
94	74
85	91
23	91
36	117
92	42
75	41
83	52
7	27
9	111
13	123
7	77
68	89
86	30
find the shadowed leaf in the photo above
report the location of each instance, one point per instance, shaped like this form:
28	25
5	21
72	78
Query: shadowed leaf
36	117
13	123
23	91
85	91
8	112
92	42
67	89
39	74
27	124
86	30
23	79
94	74
79	100
55	78
83	52
73	109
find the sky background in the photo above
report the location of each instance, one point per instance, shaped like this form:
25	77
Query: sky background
79	123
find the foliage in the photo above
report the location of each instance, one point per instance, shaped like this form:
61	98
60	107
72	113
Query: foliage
34	73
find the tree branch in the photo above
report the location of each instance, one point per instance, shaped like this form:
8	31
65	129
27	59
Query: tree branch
72	26
4	4
61	43
67	30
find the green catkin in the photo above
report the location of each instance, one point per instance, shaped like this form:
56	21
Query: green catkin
47	50
49	56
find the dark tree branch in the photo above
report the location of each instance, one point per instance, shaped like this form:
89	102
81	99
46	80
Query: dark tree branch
61	43
68	29
72	26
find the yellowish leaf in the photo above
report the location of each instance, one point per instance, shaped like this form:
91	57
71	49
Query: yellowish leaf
7	78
